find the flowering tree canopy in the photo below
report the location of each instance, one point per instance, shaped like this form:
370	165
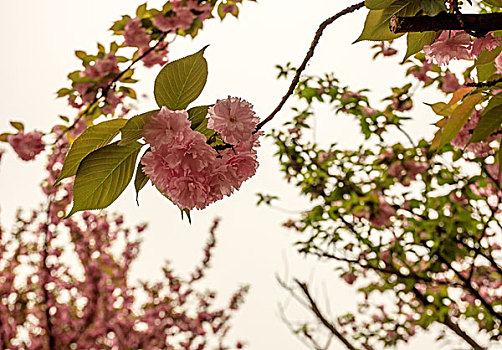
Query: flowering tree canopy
418	221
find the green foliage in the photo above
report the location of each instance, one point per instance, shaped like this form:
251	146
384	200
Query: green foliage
490	121
132	130
19	126
103	175
417	41
140	180
376	26
432	7
180	82
458	118
90	140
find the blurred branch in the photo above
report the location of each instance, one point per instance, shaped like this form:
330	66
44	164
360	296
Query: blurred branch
320	316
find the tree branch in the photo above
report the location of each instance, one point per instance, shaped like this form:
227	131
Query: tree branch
307	58
449	322
320	316
480	23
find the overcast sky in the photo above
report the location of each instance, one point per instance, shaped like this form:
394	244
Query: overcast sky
38	40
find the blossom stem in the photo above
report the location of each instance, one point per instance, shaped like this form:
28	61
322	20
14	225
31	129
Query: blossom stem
310	54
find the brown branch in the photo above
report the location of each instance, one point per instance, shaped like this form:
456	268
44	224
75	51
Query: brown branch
307	58
488	83
320	316
449	322
480	23
471	289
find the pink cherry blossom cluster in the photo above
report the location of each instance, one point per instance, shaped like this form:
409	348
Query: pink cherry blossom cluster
27	145
457	44
102	72
184	15
184	167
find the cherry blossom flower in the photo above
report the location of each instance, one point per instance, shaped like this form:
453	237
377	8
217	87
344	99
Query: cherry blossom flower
449	45
157	56
183	166
450	83
488	42
135	35
498	63
27	146
233	118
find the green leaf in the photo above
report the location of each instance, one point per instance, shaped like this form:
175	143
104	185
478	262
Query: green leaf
432	7
490	122
497	3
197	115
459	117
63	92
103	175
417	41
187	212
485	71
132	130
140	179
181	82
17	125
487	56
91	139
442	109
376	26
377	4
4	137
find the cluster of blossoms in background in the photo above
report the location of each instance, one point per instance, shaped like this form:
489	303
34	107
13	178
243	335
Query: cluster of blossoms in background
184	167
457	44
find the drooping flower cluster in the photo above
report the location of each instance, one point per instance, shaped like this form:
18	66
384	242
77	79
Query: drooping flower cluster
27	145
457	44
184	167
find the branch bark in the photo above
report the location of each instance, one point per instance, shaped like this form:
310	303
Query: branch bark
479	23
307	58
320	316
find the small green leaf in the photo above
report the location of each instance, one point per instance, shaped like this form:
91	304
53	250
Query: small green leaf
141	11
4	137
442	109
63	92
417	41
376	27
181	82
132	130
459	117
197	115
485	71
92	138
103	175
432	7
81	54
187	212
140	179
377	4
17	125
488	56
490	122
497	3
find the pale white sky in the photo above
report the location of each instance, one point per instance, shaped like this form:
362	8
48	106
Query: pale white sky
37	40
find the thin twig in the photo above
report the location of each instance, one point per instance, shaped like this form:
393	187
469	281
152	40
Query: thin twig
307	58
317	312
104	91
